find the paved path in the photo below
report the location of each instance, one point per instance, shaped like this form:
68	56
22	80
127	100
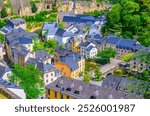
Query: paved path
113	64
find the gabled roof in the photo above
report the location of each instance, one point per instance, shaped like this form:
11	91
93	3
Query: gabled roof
81	90
42	55
121	42
8	84
23	40
111	82
32	61
48	25
16	22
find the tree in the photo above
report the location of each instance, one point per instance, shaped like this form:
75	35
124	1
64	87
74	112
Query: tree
51	44
132	20
28	78
107	53
34	8
127	57
97	74
87	77
4	12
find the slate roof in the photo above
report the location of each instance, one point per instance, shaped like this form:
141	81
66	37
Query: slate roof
19	49
46	68
48	25
23	40
72	63
8	84
111	82
122	43
3	70
16	22
32	61
42	55
81	90
84	44
19	33
69	57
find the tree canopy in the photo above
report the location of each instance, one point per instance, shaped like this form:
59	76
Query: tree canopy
107	53
28	78
132	20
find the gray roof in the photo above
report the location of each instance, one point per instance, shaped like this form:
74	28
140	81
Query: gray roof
71	62
111	82
46	68
3	70
42	55
48	25
8	84
19	49
81	90
32	61
19	33
16	22
84	44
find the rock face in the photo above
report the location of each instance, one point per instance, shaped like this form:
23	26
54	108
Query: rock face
21	7
79	6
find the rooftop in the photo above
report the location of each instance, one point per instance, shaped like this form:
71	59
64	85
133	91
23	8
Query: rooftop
42	55
81	90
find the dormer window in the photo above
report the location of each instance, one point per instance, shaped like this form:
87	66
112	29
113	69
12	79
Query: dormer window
77	92
68	89
93	97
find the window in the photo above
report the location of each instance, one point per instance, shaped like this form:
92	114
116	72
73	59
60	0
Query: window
51	74
49	92
46	75
28	45
47	81
55	94
67	97
61	96
51	79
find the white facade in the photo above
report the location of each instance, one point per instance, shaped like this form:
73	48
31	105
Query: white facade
85	51
19	92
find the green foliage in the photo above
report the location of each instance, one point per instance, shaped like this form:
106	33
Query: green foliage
61	25
2	39
89	66
107	53
29	78
48	46
4	12
33	7
118	73
132	20
97	74
127	57
87	77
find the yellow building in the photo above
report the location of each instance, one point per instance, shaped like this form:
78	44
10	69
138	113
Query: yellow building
68	88
69	63
74	46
